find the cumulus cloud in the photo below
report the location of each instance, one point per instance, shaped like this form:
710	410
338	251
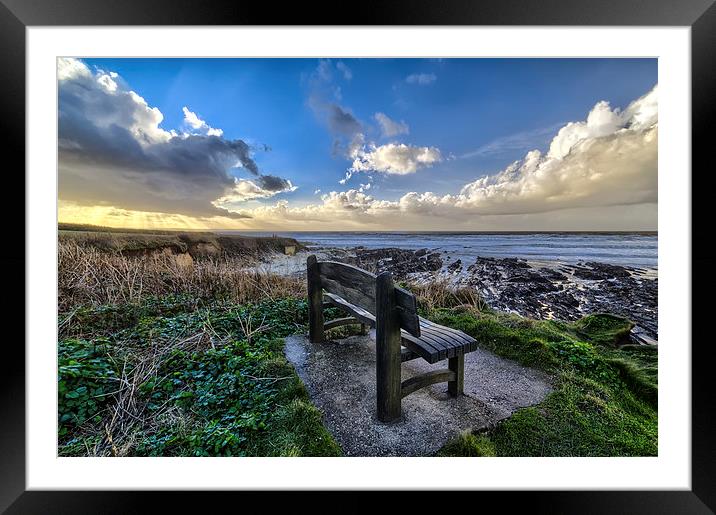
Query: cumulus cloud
422	79
192	120
607	160
394	158
390	128
113	151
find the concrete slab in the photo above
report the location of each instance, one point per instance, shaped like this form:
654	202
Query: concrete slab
340	378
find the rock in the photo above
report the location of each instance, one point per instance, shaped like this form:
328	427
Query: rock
552	274
600	271
565	292
641	336
455	266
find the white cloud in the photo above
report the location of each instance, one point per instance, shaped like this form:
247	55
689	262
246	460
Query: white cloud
347	177
423	79
608	160
390	128
108	83
394	158
343	68
113	106
317	191
69	68
193	121
246	189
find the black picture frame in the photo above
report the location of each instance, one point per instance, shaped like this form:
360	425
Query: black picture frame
700	15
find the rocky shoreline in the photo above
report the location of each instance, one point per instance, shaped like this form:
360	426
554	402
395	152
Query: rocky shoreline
542	290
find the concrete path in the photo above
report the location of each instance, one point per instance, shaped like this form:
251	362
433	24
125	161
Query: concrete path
340	377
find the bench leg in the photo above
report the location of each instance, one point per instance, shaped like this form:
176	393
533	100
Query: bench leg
315	301
387	343
457	365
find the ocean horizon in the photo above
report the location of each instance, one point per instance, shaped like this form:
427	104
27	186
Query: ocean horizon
638	248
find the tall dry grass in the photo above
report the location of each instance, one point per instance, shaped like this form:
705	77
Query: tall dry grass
441	294
87	275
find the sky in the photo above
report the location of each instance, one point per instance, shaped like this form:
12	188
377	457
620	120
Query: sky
359	144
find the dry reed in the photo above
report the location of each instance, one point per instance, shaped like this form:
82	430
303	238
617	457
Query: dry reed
87	275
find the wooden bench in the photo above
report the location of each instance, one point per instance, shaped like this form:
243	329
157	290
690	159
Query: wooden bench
401	335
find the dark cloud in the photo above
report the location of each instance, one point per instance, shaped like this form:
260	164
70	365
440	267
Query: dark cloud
340	121
273	183
323	99
112	151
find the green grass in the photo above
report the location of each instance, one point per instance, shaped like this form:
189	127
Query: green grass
604	401
190	376
173	377
468	444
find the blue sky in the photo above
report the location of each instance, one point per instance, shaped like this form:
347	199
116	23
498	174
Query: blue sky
474	117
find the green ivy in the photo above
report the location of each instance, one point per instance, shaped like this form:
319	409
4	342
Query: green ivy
225	400
84	381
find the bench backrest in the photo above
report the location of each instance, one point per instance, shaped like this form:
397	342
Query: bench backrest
357	286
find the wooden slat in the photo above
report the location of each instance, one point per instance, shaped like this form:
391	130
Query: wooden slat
437	343
338	322
449	331
360	313
466	337
425	349
352	295
461	339
349	275
357	286
350	282
458	342
451	345
421	381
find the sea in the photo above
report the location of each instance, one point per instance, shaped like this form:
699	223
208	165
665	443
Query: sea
626	249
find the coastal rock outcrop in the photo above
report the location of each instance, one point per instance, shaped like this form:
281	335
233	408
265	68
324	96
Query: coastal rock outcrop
562	291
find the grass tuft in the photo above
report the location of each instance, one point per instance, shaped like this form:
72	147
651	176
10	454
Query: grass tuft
604	401
468	444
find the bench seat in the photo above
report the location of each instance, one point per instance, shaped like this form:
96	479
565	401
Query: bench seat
435	343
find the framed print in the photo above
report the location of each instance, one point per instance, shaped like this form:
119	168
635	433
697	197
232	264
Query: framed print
265	254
